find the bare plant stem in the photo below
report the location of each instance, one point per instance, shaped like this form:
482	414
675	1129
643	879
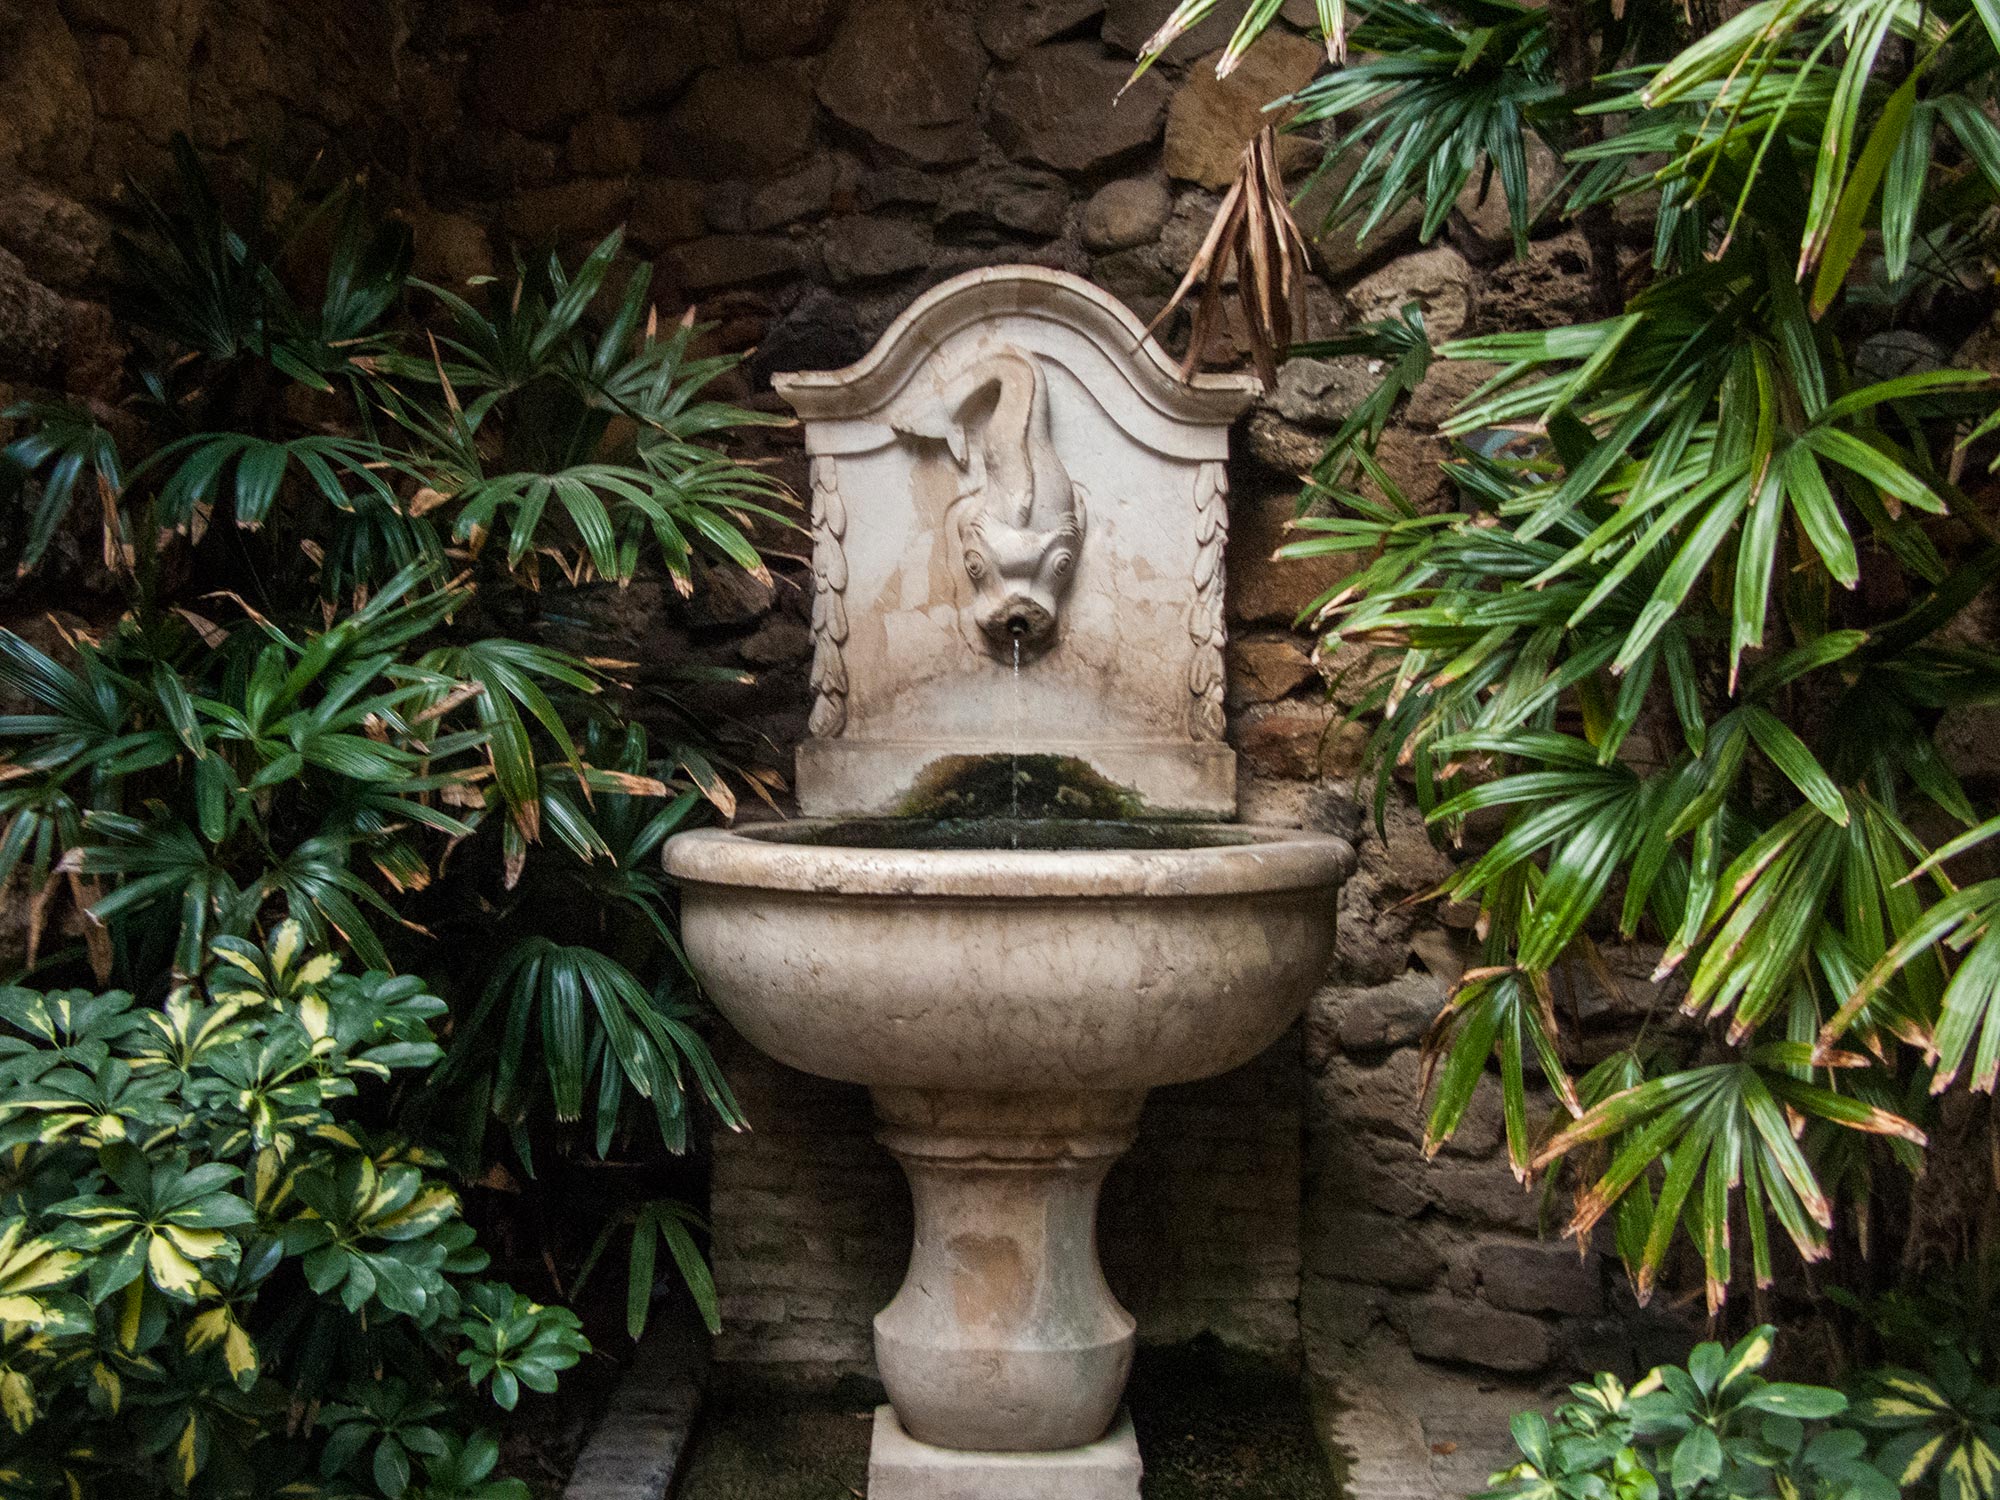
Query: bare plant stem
1576	64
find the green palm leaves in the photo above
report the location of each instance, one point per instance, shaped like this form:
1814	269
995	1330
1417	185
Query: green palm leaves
589	1018
1642	668
1718	1131
1440	100
524	368
328	710
1965	922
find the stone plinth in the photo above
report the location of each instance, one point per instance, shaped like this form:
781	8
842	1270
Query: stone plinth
901	1468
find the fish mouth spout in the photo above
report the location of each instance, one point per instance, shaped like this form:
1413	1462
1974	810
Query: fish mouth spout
1018	622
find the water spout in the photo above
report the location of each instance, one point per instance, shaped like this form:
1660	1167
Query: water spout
1014	759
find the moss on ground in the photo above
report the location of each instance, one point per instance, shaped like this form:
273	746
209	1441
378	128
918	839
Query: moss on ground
1218	1425
755	1443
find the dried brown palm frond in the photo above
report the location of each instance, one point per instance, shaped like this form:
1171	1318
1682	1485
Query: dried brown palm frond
1254	228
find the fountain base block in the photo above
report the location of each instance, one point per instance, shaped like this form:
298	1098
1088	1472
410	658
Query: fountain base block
901	1468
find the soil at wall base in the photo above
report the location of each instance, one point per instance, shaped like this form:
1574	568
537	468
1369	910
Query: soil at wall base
1213	1425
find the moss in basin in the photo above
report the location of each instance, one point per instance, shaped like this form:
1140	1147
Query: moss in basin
1020	786
1002	833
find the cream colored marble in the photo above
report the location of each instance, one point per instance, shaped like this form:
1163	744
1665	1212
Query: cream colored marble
1009	1008
902	1468
1019	519
998	969
1014	465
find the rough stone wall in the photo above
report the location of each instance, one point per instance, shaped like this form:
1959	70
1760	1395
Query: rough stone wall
1450	1256
92	91
799	170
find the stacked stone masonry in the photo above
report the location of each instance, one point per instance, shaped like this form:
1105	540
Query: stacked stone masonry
798	170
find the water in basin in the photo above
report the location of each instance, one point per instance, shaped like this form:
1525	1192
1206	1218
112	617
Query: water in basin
1095	834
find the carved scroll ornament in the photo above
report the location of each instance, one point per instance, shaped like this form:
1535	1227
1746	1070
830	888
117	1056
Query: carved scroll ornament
829	610
1205	625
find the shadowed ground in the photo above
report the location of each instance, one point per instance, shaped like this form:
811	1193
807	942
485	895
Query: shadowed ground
1213	1425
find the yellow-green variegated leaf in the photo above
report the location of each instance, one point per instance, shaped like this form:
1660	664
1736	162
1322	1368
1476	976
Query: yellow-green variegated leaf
35	1312
172	1271
1972	1468
240	1354
317	1018
187	1452
1749	1355
241	961
207	1328
31	1265
17	1400
430	1208
285	946
186	1028
238	1351
265	1176
1909	1397
108	1381
1919	1461
319	968
196	1244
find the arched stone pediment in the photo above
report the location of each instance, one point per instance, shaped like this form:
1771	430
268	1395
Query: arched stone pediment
1081	326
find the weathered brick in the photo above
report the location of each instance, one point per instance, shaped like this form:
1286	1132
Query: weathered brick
1374	1248
1534	1278
1457	1331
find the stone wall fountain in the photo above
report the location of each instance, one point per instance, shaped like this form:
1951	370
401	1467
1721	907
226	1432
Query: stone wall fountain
1002	911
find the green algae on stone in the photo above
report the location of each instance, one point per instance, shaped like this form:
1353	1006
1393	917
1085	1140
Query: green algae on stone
1018	786
1077	834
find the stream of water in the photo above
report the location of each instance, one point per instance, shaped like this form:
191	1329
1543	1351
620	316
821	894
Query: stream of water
1014	758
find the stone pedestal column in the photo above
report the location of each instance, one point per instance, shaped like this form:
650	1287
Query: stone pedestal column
1005	1336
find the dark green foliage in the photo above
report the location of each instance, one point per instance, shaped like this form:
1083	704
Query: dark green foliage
1637	654
197	1235
314	698
1717	1428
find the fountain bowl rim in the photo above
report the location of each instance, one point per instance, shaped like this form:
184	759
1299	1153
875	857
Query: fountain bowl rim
1261	861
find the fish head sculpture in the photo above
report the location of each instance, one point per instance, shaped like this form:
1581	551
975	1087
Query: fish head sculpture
1018	520
1019	577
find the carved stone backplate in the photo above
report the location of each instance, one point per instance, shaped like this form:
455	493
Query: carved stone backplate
1018	516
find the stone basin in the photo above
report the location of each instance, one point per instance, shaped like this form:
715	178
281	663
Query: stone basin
1093	956
1009	991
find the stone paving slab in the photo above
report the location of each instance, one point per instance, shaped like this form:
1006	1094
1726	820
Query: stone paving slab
1404	1429
637	1449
